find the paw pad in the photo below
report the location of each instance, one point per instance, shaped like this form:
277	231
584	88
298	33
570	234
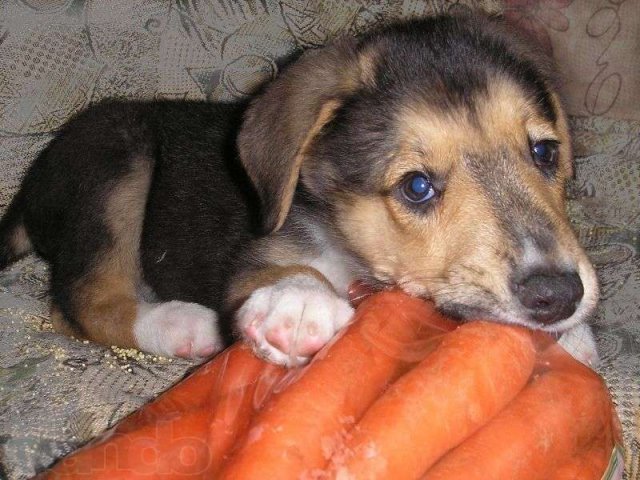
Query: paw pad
290	321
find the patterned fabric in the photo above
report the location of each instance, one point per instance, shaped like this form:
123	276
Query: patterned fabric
606	212
57	56
55	392
595	43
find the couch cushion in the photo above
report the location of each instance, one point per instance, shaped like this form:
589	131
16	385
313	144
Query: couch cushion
58	56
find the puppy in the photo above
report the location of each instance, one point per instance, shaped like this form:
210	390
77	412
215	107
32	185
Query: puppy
431	155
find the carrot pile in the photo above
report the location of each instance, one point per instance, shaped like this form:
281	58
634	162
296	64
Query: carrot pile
403	393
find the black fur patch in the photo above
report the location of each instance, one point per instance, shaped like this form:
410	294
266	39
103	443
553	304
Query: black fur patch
201	208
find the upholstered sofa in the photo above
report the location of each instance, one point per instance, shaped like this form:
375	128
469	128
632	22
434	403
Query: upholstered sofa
58	56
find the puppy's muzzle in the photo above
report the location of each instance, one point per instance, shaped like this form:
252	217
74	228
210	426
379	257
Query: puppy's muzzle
549	297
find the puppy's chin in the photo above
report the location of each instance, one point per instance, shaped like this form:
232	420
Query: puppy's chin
511	316
467	312
463	312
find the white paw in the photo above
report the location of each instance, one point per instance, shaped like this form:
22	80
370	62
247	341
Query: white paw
579	342
177	329
291	320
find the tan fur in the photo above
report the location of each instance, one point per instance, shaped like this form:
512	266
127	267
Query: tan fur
106	300
107	308
60	324
19	241
548	197
425	256
245	285
324	116
566	236
367	62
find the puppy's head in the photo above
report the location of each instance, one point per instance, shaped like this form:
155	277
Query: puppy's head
440	152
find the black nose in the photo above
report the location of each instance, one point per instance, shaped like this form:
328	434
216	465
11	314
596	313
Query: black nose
549	297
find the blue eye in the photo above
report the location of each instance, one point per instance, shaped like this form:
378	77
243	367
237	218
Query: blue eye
545	153
417	188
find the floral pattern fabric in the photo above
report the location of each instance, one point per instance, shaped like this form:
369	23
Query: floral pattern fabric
596	45
58	56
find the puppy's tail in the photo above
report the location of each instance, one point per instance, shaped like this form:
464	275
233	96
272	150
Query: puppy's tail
14	241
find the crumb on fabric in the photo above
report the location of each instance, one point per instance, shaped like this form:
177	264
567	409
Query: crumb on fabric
136	355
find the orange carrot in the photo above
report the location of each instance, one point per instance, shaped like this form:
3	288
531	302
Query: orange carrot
588	465
474	373
172	449
402	393
173	439
298	429
554	417
237	404
196	391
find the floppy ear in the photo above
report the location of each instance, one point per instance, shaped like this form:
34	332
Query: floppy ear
280	124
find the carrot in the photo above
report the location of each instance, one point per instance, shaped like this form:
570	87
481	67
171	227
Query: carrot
171	438
298	429
588	465
554	417
197	390
173	449
401	393
234	408
474	373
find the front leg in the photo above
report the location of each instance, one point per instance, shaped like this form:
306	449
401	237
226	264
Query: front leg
290	318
